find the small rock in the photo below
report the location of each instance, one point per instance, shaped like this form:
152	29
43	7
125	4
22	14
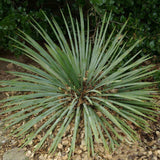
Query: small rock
30	143
108	156
114	90
59	154
39	137
42	157
141	150
151	143
154	158
157	152
28	153
14	154
84	148
83	142
10	66
78	157
67	150
99	114
60	146
46	156
149	153
157	133
13	142
49	158
79	151
83	145
65	142
3	140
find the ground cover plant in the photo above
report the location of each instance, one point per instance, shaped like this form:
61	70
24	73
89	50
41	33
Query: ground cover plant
79	79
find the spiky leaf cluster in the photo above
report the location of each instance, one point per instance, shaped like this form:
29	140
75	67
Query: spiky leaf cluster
76	80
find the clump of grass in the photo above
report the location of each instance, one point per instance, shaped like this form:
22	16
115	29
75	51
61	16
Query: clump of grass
75	81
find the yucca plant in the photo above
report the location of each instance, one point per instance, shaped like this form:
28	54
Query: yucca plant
79	80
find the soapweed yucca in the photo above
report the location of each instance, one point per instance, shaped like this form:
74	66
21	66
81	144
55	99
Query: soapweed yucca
79	79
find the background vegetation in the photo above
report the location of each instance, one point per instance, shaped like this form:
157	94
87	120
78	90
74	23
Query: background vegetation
144	18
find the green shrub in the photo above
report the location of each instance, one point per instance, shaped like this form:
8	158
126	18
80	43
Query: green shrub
76	81
16	14
144	20
13	15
